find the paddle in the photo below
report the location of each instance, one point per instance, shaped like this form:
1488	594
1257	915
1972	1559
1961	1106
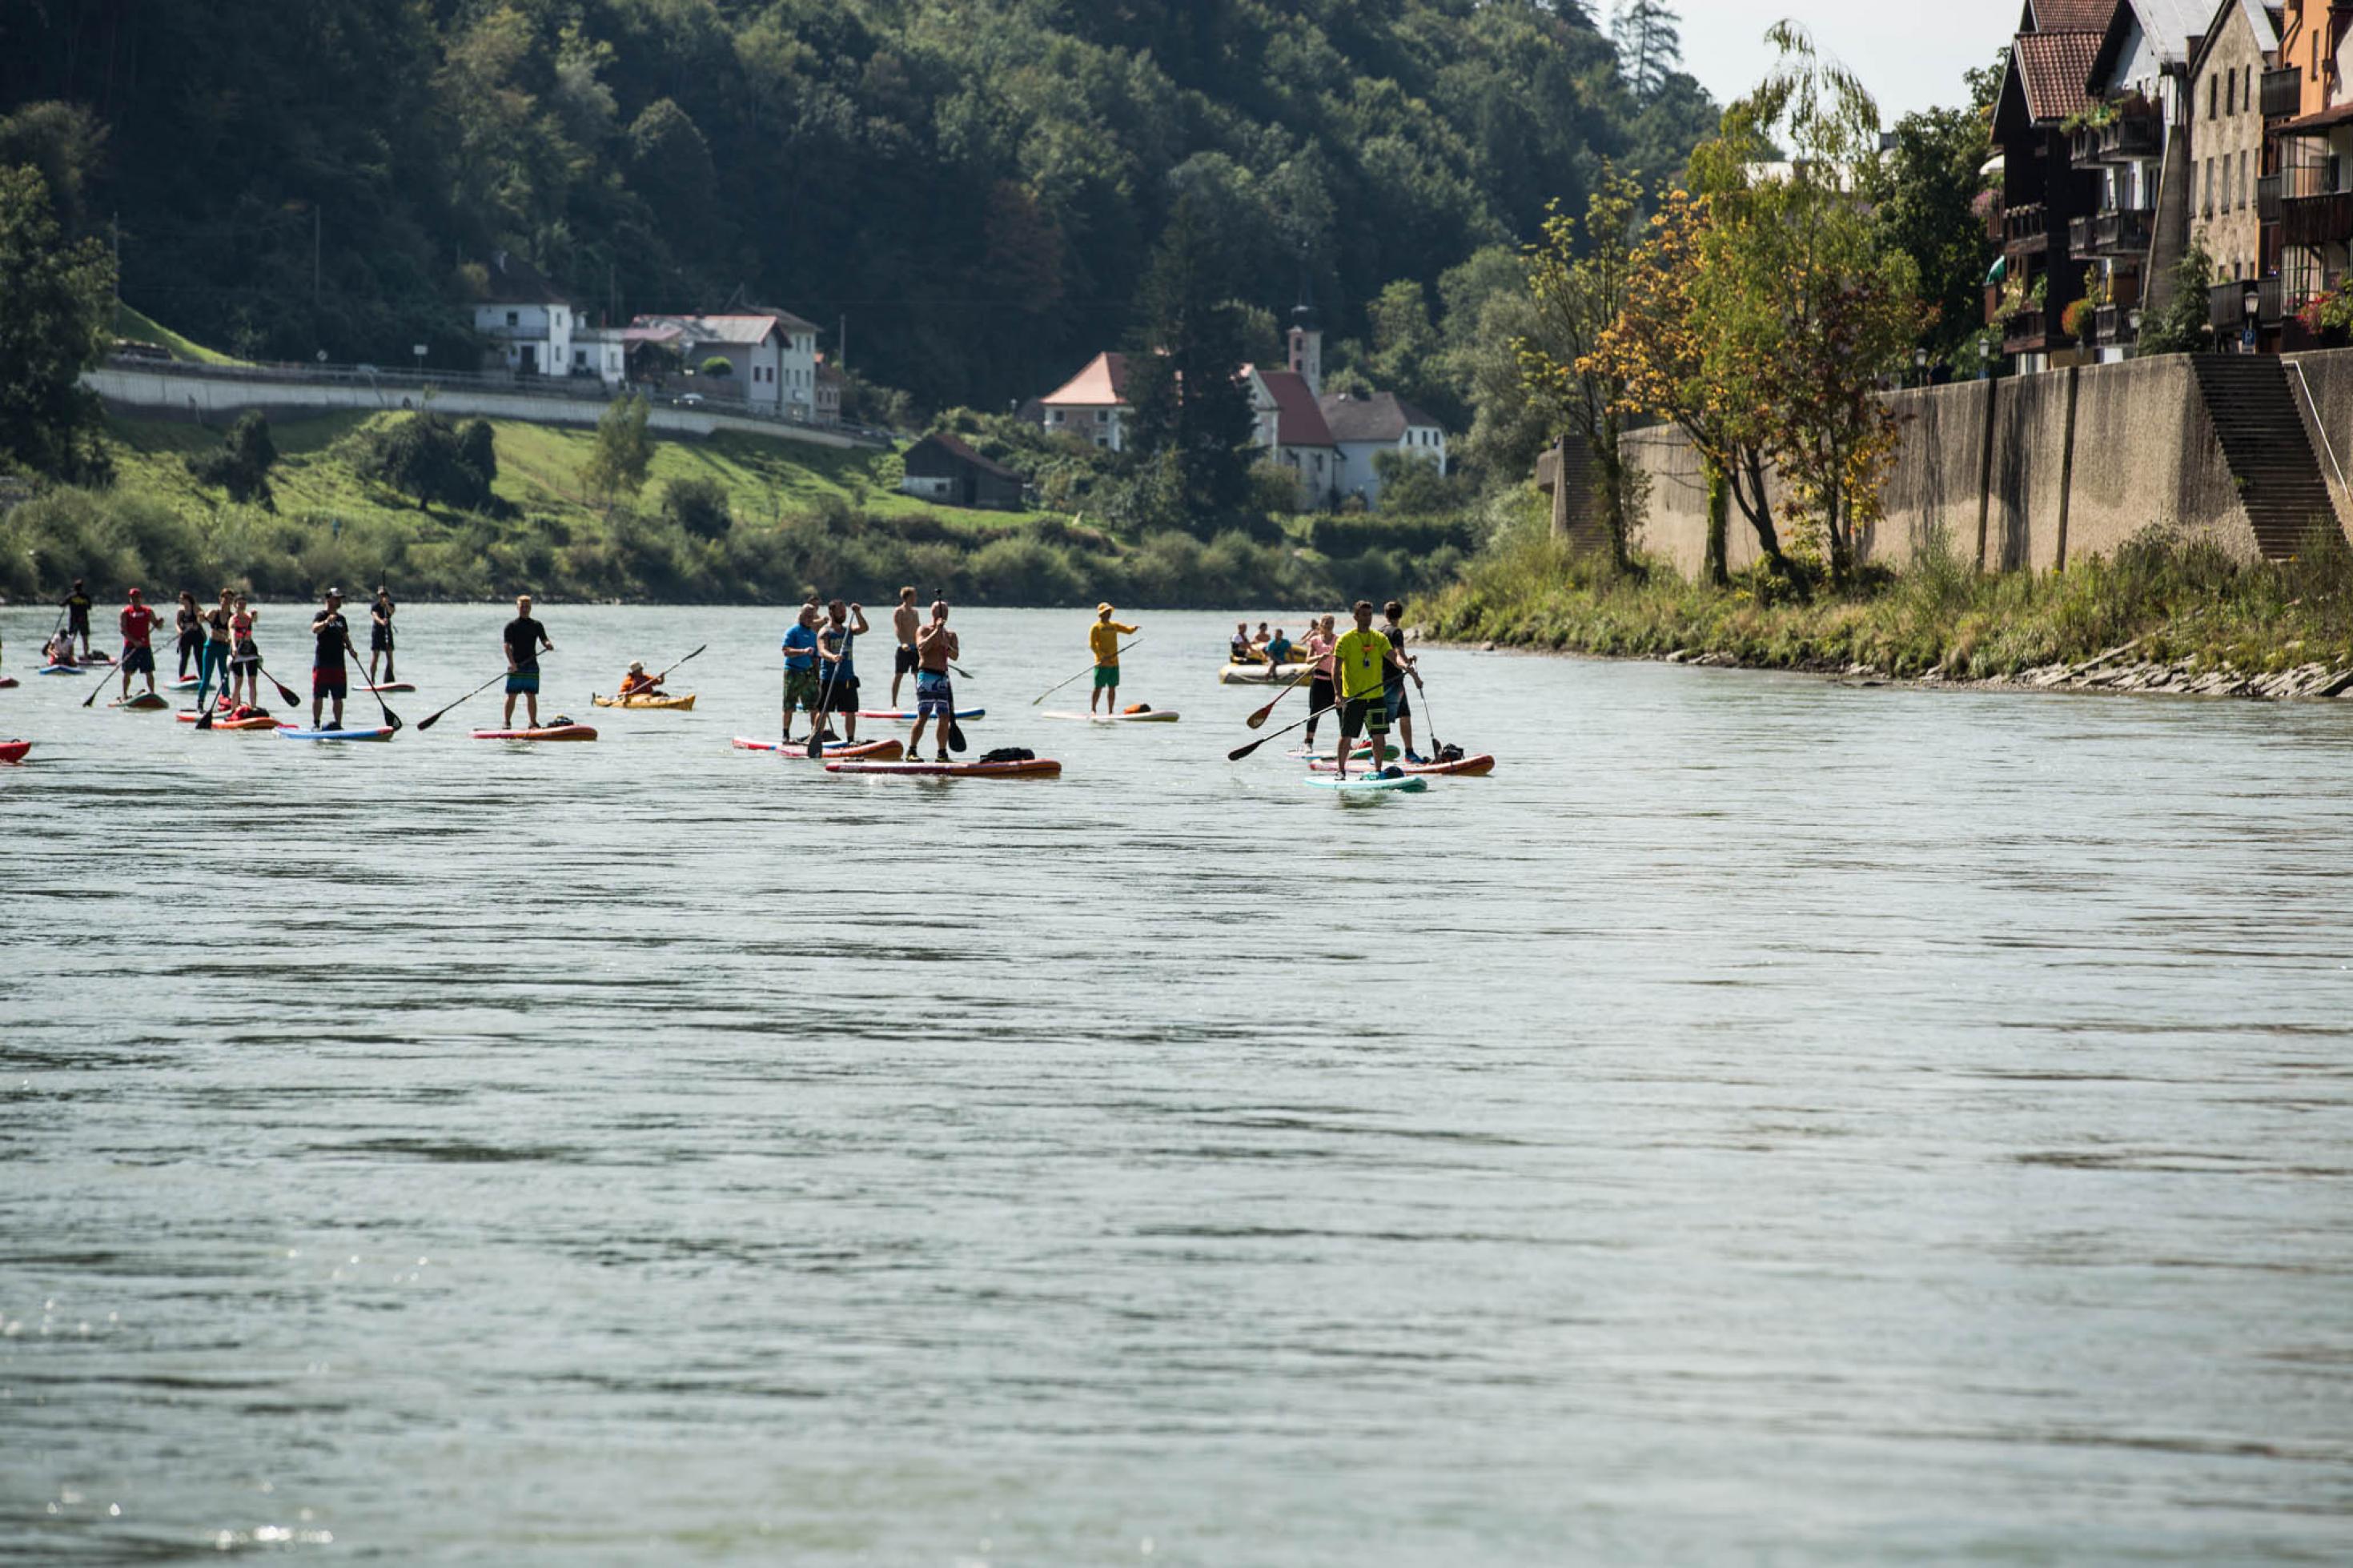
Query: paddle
285	693
99	686
391	719
1239	752
1257	720
1059	685
429	720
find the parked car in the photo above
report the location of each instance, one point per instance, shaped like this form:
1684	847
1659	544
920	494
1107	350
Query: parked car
688	400
127	348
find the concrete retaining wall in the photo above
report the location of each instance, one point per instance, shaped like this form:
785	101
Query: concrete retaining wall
2031	472
158	393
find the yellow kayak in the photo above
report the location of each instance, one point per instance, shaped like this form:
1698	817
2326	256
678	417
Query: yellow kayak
680	703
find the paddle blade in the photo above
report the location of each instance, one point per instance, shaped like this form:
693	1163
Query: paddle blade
286	693
1257	720
392	720
204	720
1239	752
955	736
815	743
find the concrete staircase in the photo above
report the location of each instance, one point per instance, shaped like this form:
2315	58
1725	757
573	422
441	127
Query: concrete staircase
2263	441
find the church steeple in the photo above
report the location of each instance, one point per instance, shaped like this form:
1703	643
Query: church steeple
1307	345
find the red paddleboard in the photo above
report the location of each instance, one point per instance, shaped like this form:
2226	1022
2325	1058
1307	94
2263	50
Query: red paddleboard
873	751
223	721
13	750
551	733
1461	767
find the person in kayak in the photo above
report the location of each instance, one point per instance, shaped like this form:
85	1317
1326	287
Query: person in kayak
77	608
637	683
1238	649
138	650
1359	657
1400	667
1104	638
906	626
190	623
1318	652
801	685
523	640
244	655
836	670
934	693
380	634
329	678
1278	648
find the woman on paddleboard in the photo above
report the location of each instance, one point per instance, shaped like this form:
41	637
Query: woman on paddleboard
242	679
1318	651
190	623
380	634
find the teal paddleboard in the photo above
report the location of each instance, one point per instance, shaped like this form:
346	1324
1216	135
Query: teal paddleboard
372	732
1411	783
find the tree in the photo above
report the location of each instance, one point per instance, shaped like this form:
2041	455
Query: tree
698	507
617	464
2183	324
422	456
242	464
1580	275
56	302
1797	283
1189	404
1411	485
1673	363
1649	45
1926	203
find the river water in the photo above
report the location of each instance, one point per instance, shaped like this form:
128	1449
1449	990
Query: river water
1763	1121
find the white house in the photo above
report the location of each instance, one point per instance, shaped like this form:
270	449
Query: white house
1092	405
770	356
527	320
1289	428
1364	424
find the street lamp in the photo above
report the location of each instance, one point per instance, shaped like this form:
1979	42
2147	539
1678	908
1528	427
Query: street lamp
1920	366
2250	307
1985	360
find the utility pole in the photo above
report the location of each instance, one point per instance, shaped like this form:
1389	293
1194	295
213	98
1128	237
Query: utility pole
315	226
114	230
841	344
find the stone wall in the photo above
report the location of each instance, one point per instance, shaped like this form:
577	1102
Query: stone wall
2028	471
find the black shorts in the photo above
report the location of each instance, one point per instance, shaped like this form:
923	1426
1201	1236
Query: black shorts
138	662
906	663
1360	713
379	639
843	698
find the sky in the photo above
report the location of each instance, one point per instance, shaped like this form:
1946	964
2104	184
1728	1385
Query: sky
1910	56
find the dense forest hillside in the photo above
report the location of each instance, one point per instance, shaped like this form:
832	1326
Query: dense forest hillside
975	185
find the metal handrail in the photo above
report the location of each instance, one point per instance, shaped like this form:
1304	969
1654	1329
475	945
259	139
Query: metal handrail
2320	424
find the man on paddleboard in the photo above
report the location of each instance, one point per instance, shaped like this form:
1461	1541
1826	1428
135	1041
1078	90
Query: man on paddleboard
329	678
1359	657
801	687
138	652
1393	677
77	607
523	639
905	624
1104	638
836	671
934	693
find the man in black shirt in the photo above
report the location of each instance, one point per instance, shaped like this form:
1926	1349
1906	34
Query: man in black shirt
524	639
380	634
76	606
328	677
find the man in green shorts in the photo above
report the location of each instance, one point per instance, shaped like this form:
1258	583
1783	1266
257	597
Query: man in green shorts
801	683
1358	660
1103	637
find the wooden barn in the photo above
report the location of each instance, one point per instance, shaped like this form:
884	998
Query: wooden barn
941	468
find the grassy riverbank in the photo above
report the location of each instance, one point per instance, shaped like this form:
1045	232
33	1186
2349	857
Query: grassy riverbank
801	518
2175	602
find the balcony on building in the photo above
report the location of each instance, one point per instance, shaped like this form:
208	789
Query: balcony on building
2133	136
2111	325
2283	92
2026	228
2267	199
2024	331
2310	212
2226	305
2122	231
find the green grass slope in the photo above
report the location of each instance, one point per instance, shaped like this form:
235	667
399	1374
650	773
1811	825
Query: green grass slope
140	329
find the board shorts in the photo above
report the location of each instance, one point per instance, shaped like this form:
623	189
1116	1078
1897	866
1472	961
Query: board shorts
77	620
523	683
1398	707
935	695
906	663
843	698
1106	676
379	639
801	690
1360	713
335	682
138	662
247	655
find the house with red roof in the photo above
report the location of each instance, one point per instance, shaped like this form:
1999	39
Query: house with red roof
2045	88
1092	405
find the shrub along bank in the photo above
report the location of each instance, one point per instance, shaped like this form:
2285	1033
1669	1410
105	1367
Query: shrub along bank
728	520
2174	605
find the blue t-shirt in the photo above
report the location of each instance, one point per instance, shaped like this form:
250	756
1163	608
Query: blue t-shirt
801	647
839	639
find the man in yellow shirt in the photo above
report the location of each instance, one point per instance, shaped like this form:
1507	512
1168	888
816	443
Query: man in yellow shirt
1104	638
1358	660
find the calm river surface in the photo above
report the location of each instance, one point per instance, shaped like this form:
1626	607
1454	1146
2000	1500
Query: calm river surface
1763	1121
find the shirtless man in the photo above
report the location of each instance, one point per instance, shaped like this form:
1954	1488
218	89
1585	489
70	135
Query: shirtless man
903	625
934	693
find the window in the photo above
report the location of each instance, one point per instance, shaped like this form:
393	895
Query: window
2246	189
514	318
2213	91
2231	93
1103	416
2208	203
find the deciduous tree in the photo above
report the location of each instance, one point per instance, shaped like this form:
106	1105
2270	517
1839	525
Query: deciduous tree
617	465
57	303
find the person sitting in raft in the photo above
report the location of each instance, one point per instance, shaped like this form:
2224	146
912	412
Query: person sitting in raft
637	683
59	650
1240	650
1278	647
